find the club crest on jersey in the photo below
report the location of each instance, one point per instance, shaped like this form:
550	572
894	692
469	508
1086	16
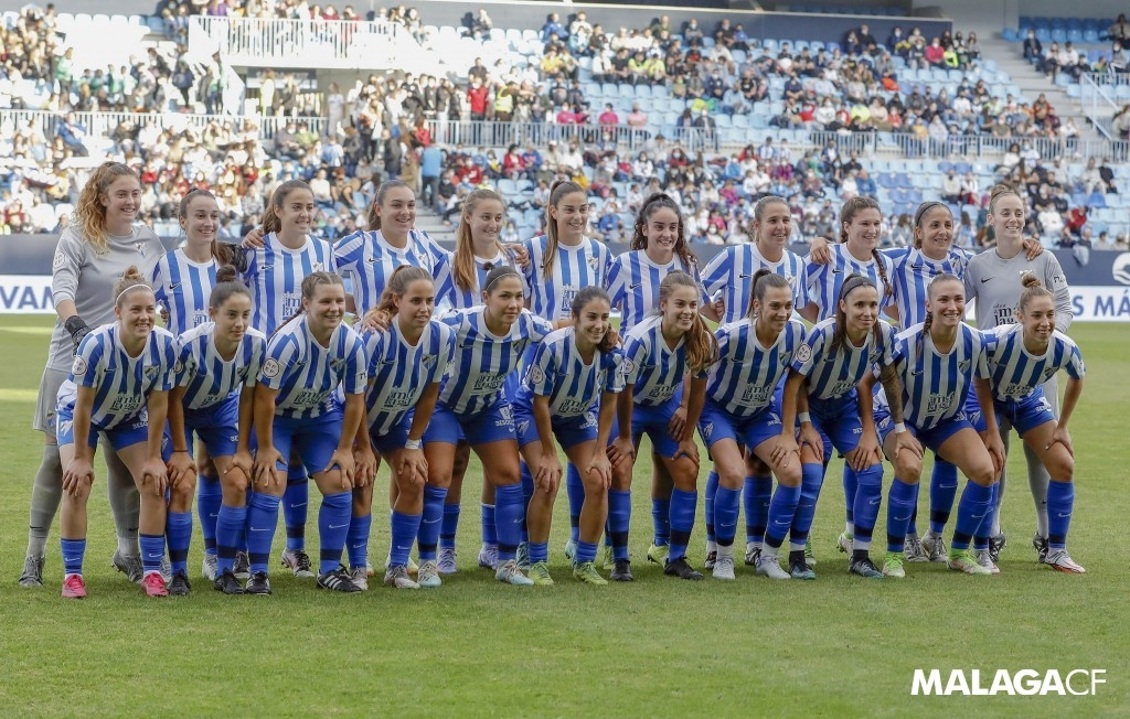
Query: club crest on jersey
141	249
151	371
627	366
178	367
963	366
804	352
524	426
317	267
594	262
428	360
707	430
79	366
271	368
59	261
537	375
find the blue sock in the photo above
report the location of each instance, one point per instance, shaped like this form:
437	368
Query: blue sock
527	495
428	537
981	537
262	516
333	526
229	536
661	521
943	490
683	506
812	477
900	505
449	526
508	515
782	510
976	504
539	552
73	552
851	483
357	540
209	497
575	489
405	527
152	551
295	502
586	552
178	534
727	503
490	525
619	518
708	498
868	500
1061	503
759	493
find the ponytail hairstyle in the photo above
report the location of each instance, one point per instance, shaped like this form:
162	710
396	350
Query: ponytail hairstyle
271	221
585	296
999	191
763	279
373	219
227	284
90	215
310	285
759	212
463	264
650	205
850	209
920	213
131	280
701	347
557	192
1032	288
839	334
929	321
397	285
221	253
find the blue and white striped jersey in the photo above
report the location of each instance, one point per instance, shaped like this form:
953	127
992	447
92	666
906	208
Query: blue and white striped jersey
833	375
311	378
184	287
559	372
746	374
633	285
824	281
461	299
274	275
209	379
482	360
935	385
122	383
655	370
732	271
399	372
586	265
911	274
1015	373
369	260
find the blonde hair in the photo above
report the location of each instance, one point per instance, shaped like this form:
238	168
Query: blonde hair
1032	288
999	191
463	264
90	213
131	280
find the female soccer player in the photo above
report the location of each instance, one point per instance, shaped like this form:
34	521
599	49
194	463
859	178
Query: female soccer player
740	412
993	280
275	273
939	362
406	364
1021	357
838	353
490	339
118	388
92	255
574	370
659	354
310	362
218	366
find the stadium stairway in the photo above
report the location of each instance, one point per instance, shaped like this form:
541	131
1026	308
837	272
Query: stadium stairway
428	221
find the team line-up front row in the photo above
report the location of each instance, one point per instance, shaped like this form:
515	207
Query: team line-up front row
528	362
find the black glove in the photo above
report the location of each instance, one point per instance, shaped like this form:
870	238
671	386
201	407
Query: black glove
78	330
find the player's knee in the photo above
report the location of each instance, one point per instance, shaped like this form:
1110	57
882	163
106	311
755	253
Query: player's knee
790	476
908	468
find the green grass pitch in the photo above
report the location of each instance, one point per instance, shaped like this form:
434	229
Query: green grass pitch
660	647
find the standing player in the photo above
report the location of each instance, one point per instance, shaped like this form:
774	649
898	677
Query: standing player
219	363
659	354
574	371
92	255
118	388
310	362
406	364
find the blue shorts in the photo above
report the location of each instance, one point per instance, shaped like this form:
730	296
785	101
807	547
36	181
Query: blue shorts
491	425
837	421
717	424
1028	413
314	440
569	431
653	422
931	438
127	433
395	437
217	426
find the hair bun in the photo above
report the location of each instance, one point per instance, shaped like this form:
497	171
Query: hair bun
226	273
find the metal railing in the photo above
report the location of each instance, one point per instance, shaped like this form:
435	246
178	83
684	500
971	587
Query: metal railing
302	43
1097	100
106	123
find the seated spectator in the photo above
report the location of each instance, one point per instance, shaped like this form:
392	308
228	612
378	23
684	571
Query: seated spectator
1120	30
